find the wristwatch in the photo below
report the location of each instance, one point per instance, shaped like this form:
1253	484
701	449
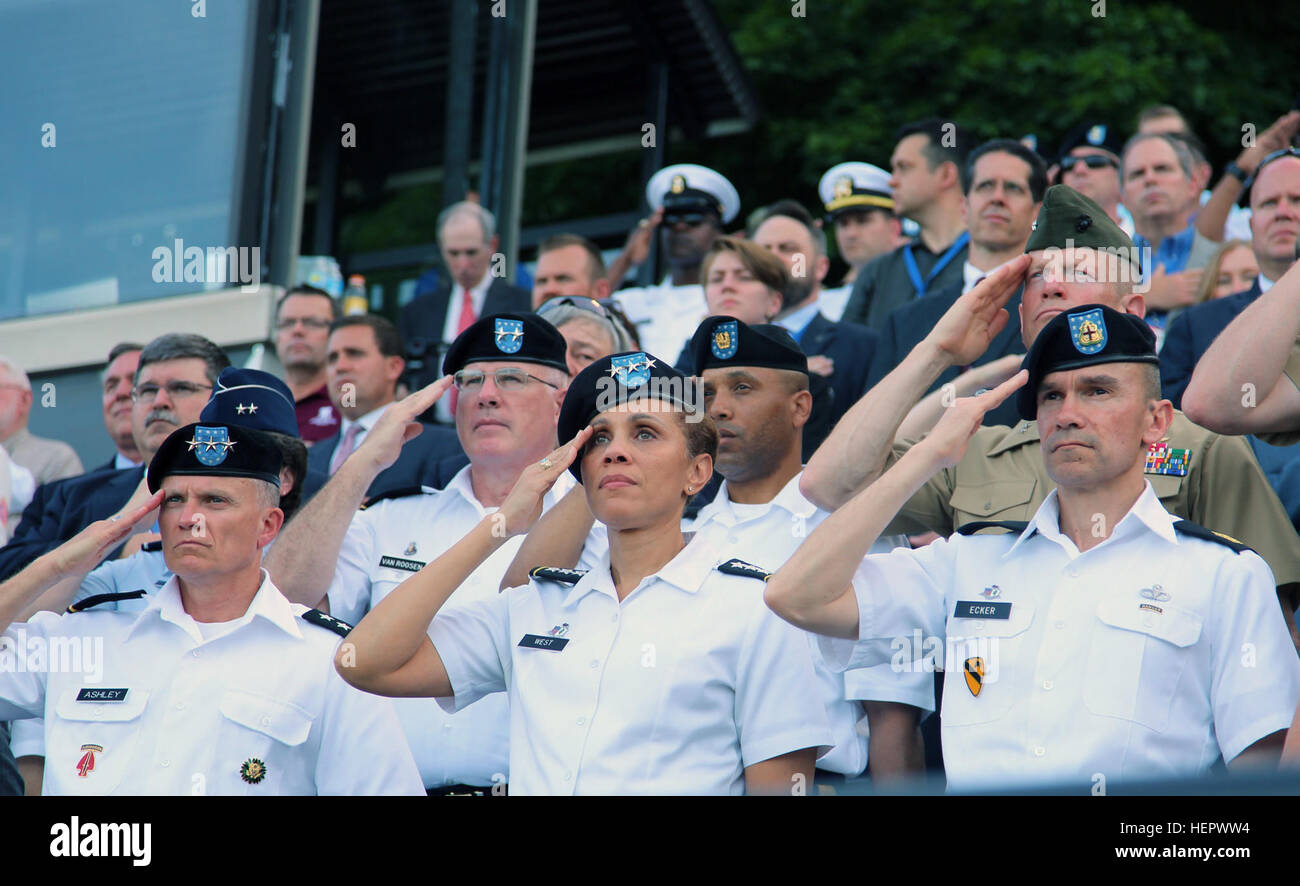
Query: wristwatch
1236	171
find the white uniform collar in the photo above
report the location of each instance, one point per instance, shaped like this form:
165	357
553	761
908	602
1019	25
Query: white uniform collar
462	485
789	499
686	571
1146	515
268	602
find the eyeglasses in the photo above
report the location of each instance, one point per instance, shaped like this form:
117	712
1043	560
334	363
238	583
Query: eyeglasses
508	379
1276	155
1092	161
689	218
309	322
176	390
584	304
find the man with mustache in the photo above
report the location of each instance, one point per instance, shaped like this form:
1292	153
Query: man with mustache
1197	475
510	375
176	372
1101	640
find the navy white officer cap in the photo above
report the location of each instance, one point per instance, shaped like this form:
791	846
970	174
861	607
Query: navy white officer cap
514	338
251	398
216	451
855	185
613	381
686	187
1083	336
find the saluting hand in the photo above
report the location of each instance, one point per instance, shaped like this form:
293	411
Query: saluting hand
965	331
946	443
398	424
523	506
83	552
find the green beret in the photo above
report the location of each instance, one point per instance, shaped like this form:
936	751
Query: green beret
1067	218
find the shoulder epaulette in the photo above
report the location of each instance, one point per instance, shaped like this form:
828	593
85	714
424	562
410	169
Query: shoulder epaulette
152	546
97	599
736	566
1009	525
1195	530
398	492
328	622
555	573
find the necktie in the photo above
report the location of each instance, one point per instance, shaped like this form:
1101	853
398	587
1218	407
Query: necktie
466	320
346	445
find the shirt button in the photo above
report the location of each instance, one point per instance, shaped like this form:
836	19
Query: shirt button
1060	625
266	721
988	506
1047	684
180	705
614	617
568	776
1039	751
979	626
446	727
595	663
195	653
582	720
165	763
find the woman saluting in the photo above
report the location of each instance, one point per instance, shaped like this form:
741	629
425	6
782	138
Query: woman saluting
660	670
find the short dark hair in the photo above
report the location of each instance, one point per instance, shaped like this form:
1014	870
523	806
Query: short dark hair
184	346
766	267
1037	168
795	210
701	436
1155	112
1179	147
294	453
308	289
387	338
938	132
595	261
121	348
1193	143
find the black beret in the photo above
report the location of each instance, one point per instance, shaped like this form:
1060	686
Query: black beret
513	338
1092	135
1069	219
251	398
612	381
216	451
1084	336
722	341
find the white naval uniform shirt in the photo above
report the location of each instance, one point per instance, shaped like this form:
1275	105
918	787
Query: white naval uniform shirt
195	712
674	690
386	544
766	536
665	316
1089	675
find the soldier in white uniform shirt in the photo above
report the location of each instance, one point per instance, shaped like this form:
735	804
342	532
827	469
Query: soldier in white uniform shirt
695	202
219	685
860	210
510	373
659	671
1104	640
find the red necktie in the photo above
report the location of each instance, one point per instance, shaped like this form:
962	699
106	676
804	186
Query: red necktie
467	318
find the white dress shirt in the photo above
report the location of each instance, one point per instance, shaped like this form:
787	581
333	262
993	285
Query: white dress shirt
673	690
1148	656
665	316
766	535
387	543
189	714
833	301
450	327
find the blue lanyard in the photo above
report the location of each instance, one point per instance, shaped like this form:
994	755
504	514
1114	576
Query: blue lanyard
915	273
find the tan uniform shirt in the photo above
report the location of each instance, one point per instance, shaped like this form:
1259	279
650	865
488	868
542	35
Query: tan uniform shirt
1003	477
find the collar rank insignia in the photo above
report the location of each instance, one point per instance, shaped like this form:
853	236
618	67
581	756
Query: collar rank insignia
992	592
241	408
86	764
1161	459
211	445
555	573
509	334
1088	331
974	671
328	622
410	549
737	566
253	770
632	370
725	340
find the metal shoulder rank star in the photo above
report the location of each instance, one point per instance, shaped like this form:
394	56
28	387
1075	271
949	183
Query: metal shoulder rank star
250	408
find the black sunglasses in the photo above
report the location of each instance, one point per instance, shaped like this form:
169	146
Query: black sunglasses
1276	155
583	304
690	218
1092	161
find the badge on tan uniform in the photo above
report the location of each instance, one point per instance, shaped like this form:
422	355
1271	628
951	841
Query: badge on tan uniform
974	672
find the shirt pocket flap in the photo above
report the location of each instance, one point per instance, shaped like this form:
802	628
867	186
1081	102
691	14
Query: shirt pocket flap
992	498
1174	625
69	708
286	723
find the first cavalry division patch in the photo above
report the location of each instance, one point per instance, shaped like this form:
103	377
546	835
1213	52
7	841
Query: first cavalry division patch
974	672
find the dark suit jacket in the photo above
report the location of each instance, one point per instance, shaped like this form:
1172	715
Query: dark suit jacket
884	285
906	326
424	318
1190	335
61	509
430	459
